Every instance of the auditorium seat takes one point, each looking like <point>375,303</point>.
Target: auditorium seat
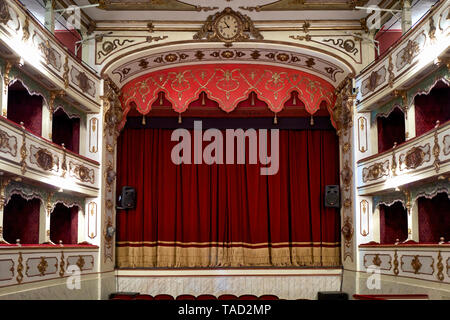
<point>185,297</point>
<point>164,297</point>
<point>144,297</point>
<point>123,296</point>
<point>206,297</point>
<point>227,297</point>
<point>268,297</point>
<point>248,297</point>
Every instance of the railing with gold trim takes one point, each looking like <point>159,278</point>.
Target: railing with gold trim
<point>429,262</point>
<point>25,36</point>
<point>422,46</point>
<point>19,265</point>
<point>24,153</point>
<point>419,158</point>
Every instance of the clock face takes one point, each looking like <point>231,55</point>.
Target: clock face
<point>227,26</point>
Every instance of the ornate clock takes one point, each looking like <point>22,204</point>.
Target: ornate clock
<point>228,26</point>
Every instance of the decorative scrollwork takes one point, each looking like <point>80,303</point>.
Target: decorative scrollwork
<point>396,269</point>
<point>19,277</point>
<point>62,265</point>
<point>348,45</point>
<point>440,267</point>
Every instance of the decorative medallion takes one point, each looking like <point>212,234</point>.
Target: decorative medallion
<point>8,144</point>
<point>347,231</point>
<point>81,172</point>
<point>51,56</point>
<point>415,157</point>
<point>375,79</point>
<point>376,171</point>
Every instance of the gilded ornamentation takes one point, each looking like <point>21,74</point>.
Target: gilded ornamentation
<point>364,218</point>
<point>396,270</point>
<point>26,29</point>
<point>346,175</point>
<point>205,9</point>
<point>64,163</point>
<point>109,46</point>
<point>407,54</point>
<point>376,260</point>
<point>391,72</point>
<point>6,78</point>
<point>44,158</point>
<point>19,277</point>
<point>376,171</point>
<point>446,142</point>
<point>42,266</point>
<point>81,172</point>
<point>375,79</point>
<point>348,45</point>
<point>82,81</point>
<point>66,72</point>
<point>306,37</point>
<point>8,144</point>
<point>155,39</point>
<point>347,231</point>
<point>80,262</point>
<point>211,31</point>
<point>436,148</point>
<point>415,157</point>
<point>432,31</point>
<point>4,12</point>
<point>23,152</point>
<point>51,103</point>
<point>440,267</point>
<point>394,161</point>
<point>110,175</point>
<point>415,264</point>
<point>113,112</point>
<point>346,147</point>
<point>343,110</point>
<point>51,56</point>
<point>62,270</point>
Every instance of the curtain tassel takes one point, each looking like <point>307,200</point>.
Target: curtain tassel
<point>144,122</point>
<point>253,98</point>
<point>294,100</point>
<point>275,119</point>
<point>203,99</point>
<point>161,99</point>
<point>179,118</point>
<point>312,121</point>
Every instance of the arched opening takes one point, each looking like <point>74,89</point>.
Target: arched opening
<point>64,224</point>
<point>391,130</point>
<point>393,223</point>
<point>432,107</point>
<point>434,218</point>
<point>25,107</point>
<point>21,220</point>
<point>66,130</point>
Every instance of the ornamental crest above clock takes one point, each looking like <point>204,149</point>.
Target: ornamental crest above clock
<point>228,26</point>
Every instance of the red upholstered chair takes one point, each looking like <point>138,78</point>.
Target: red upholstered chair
<point>268,297</point>
<point>206,297</point>
<point>122,296</point>
<point>185,297</point>
<point>248,297</point>
<point>144,297</point>
<point>227,297</point>
<point>163,297</point>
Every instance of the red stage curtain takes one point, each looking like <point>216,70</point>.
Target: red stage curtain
<point>228,215</point>
<point>434,218</point>
<point>432,107</point>
<point>390,130</point>
<point>393,223</point>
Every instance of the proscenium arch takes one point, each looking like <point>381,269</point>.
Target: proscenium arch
<point>122,58</point>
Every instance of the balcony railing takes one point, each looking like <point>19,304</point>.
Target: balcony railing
<point>23,153</point>
<point>27,38</point>
<point>19,265</point>
<point>417,50</point>
<point>422,157</point>
<point>429,262</point>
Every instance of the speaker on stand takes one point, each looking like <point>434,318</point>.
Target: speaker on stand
<point>332,196</point>
<point>127,198</point>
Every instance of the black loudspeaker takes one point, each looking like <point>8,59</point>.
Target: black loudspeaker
<point>127,199</point>
<point>332,295</point>
<point>332,196</point>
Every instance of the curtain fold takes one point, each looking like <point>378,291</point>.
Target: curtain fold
<point>228,215</point>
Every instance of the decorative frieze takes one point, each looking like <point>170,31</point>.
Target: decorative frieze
<point>375,171</point>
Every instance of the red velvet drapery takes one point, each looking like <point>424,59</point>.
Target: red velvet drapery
<point>391,130</point>
<point>21,220</point>
<point>393,223</point>
<point>434,218</point>
<point>64,224</point>
<point>228,215</point>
